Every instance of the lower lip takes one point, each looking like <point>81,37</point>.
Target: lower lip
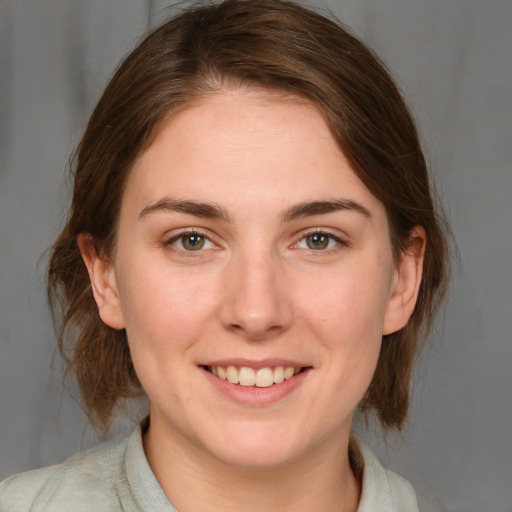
<point>251,395</point>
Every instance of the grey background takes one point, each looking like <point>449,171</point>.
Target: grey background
<point>452,59</point>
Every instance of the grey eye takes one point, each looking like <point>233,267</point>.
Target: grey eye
<point>192,241</point>
<point>317,241</point>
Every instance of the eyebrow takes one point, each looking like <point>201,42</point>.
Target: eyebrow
<point>196,208</point>
<point>213,211</point>
<point>308,209</point>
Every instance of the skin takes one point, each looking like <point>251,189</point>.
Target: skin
<point>256,290</point>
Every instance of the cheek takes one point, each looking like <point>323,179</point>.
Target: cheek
<point>348,303</point>
<point>164,316</point>
<point>347,316</point>
<point>165,311</point>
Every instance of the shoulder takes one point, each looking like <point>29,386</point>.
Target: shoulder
<point>86,481</point>
<point>382,489</point>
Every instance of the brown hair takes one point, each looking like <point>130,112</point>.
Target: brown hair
<point>276,45</point>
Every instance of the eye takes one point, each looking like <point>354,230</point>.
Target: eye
<point>191,241</point>
<point>319,241</point>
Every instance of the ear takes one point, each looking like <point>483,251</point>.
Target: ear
<point>103,282</point>
<point>406,284</point>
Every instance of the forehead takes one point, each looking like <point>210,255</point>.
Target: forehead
<point>241,118</point>
<point>241,145</point>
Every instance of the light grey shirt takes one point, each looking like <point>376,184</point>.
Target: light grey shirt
<point>116,477</point>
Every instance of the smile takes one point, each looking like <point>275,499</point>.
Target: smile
<point>249,377</point>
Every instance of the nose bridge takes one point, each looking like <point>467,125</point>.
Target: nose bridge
<point>256,301</point>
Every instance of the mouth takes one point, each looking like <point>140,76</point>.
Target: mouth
<point>263,377</point>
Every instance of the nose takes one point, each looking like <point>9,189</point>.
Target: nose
<point>256,301</point>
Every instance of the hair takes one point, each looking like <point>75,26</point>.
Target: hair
<point>274,45</point>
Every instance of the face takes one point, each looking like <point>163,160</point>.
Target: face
<point>254,276</point>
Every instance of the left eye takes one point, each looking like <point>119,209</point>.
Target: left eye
<point>318,241</point>
<point>191,242</point>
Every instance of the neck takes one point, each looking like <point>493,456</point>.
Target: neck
<point>321,480</point>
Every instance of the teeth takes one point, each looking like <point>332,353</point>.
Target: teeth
<point>247,376</point>
<point>278,374</point>
<point>232,374</point>
<point>262,378</point>
<point>288,372</point>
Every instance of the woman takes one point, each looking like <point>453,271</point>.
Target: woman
<point>252,245</point>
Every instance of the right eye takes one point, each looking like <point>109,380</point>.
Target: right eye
<point>191,241</point>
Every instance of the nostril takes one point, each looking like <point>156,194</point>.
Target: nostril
<point>257,332</point>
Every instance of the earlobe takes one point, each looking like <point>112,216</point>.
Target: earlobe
<point>103,282</point>
<point>407,283</point>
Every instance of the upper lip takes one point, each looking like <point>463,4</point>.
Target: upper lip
<point>251,363</point>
